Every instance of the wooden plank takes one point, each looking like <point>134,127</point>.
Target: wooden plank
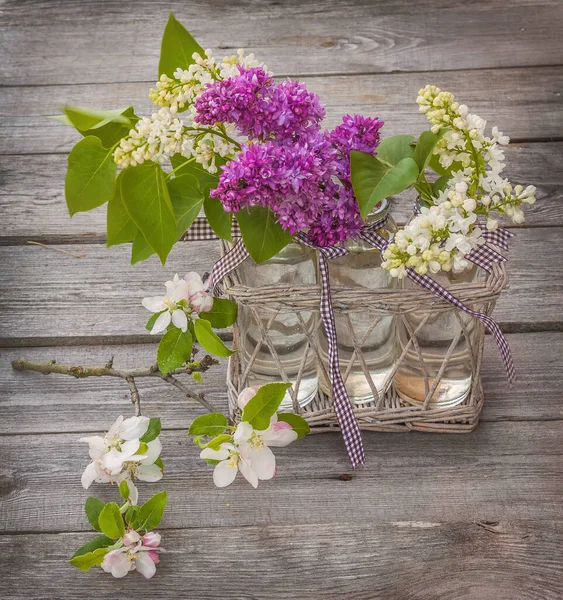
<point>524,103</point>
<point>45,293</point>
<point>98,43</point>
<point>33,206</point>
<point>32,403</point>
<point>481,561</point>
<point>501,471</point>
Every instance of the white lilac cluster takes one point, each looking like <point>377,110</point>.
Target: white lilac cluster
<point>249,451</point>
<point>184,299</point>
<point>121,456</point>
<point>166,133</point>
<point>441,236</point>
<point>133,552</point>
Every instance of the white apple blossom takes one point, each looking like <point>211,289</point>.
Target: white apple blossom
<point>137,553</point>
<point>117,456</point>
<point>184,298</point>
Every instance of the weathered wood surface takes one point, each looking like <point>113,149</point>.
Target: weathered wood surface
<point>412,476</point>
<point>29,401</point>
<point>299,38</point>
<point>533,109</point>
<point>112,289</point>
<point>369,561</point>
<point>33,205</point>
<point>430,517</point>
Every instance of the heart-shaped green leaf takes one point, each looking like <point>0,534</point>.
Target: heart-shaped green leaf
<point>393,149</point>
<point>120,226</point>
<point>373,181</point>
<point>218,218</point>
<point>177,48</point>
<point>186,199</point>
<point>261,234</point>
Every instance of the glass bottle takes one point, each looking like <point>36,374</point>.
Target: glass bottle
<point>434,340</point>
<point>294,265</point>
<point>361,267</point>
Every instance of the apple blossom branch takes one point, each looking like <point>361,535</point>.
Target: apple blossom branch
<point>129,375</point>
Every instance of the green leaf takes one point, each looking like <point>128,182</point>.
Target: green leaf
<point>140,249</point>
<point>392,150</point>
<point>146,198</point>
<point>92,559</point>
<point>111,522</point>
<point>196,376</point>
<point>90,176</point>
<point>100,541</point>
<point>264,404</point>
<point>190,167</point>
<point>261,234</point>
<point>439,185</point>
<point>107,125</point>
<point>373,181</point>
<point>174,350</point>
<point>186,199</point>
<point>424,147</point>
<point>131,515</point>
<point>153,430</point>
<point>223,314</point>
<point>209,340</point>
<point>151,512</point>
<point>93,507</point>
<point>300,426</point>
<point>152,320</point>
<point>177,48</point>
<point>219,220</point>
<point>158,462</point>
<point>120,226</point>
<point>124,489</point>
<point>211,424</point>
<point>142,449</point>
<point>215,443</point>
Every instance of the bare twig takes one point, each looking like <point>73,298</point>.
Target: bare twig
<point>57,249</point>
<point>135,398</point>
<point>128,375</point>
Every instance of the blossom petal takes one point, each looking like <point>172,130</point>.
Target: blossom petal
<point>133,491</point>
<point>279,435</point>
<point>248,472</point>
<point>130,447</point>
<point>151,539</point>
<point>243,432</point>
<point>116,563</point>
<point>181,291</point>
<point>153,452</point>
<point>145,565</point>
<point>263,462</point>
<point>222,454</point>
<point>89,475</point>
<point>148,473</point>
<point>134,428</point>
<point>224,474</point>
<point>97,445</point>
<point>154,304</point>
<point>201,302</point>
<point>161,323</point>
<point>180,320</point>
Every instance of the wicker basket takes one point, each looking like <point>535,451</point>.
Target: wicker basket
<point>389,412</point>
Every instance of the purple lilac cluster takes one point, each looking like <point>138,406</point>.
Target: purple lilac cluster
<point>259,108</point>
<point>291,166</point>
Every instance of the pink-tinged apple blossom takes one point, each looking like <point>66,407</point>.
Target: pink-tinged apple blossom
<point>246,395</point>
<point>199,299</point>
<point>121,561</point>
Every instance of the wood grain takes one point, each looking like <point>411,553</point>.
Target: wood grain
<point>500,471</point>
<point>524,103</point>
<point>104,281</point>
<point>32,403</point>
<point>107,42</point>
<point>33,207</point>
<point>370,561</point>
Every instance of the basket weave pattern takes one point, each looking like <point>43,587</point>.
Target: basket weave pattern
<point>387,412</point>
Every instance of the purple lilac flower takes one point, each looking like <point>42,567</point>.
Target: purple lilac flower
<point>259,108</point>
<point>356,133</point>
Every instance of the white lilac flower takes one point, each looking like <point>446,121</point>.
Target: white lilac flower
<point>184,298</point>
<point>137,553</point>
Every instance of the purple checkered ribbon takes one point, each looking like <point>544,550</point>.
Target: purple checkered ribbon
<point>483,256</point>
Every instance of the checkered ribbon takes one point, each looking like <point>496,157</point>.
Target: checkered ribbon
<point>483,256</point>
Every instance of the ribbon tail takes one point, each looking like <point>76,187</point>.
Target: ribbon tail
<point>344,412</point>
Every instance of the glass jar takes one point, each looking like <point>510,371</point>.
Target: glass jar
<point>294,265</point>
<point>361,267</point>
<point>434,340</point>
